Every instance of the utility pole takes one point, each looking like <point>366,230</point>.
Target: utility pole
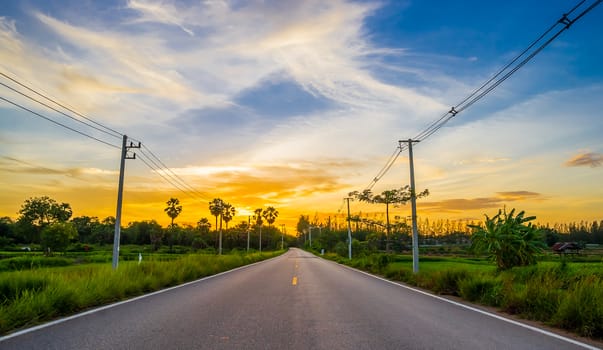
<point>347,199</point>
<point>282,236</point>
<point>248,229</point>
<point>413,206</point>
<point>310,234</point>
<point>120,190</point>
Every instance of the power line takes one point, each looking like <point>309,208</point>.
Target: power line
<point>109,131</point>
<point>491,83</point>
<point>58,111</point>
<point>159,172</point>
<point>169,175</point>
<point>173,179</point>
<point>58,123</point>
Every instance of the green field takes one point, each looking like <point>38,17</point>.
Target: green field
<point>559,292</point>
<point>42,288</point>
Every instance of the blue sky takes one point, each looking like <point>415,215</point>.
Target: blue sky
<point>296,103</point>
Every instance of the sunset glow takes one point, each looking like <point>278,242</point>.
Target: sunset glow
<point>294,104</point>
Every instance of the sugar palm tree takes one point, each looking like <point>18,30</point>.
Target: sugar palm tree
<point>203,225</point>
<point>173,209</point>
<point>228,212</point>
<point>270,214</point>
<point>216,208</point>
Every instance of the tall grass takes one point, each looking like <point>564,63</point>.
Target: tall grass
<point>33,296</point>
<point>563,294</point>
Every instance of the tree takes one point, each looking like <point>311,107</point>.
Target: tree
<point>173,209</point>
<point>85,227</point>
<point>303,223</point>
<point>56,236</point>
<point>257,218</point>
<point>7,229</point>
<point>39,212</point>
<point>203,225</point>
<point>215,208</point>
<point>270,214</point>
<point>508,240</point>
<point>394,196</point>
<point>228,212</point>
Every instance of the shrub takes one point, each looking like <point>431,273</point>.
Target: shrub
<point>508,240</point>
<point>582,310</point>
<point>447,281</point>
<point>481,288</point>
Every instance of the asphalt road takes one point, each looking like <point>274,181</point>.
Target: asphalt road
<point>295,301</point>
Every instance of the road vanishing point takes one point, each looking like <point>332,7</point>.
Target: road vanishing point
<point>294,301</point>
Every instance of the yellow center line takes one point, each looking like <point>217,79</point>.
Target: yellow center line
<point>294,282</point>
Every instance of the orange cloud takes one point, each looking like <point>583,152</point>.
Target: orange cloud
<point>590,159</point>
<point>518,195</point>
<point>461,204</point>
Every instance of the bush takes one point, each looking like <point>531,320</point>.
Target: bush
<point>481,288</point>
<point>447,281</point>
<point>32,262</point>
<point>582,309</point>
<point>341,249</point>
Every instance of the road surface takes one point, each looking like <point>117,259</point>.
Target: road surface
<point>295,301</point>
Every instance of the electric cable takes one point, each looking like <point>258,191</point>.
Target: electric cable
<point>57,123</point>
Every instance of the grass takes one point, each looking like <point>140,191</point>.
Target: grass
<point>32,296</point>
<point>562,294</point>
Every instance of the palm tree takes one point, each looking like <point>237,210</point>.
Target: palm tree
<point>173,209</point>
<point>257,217</point>
<point>228,212</point>
<point>394,196</point>
<point>270,214</point>
<point>203,225</point>
<point>215,208</point>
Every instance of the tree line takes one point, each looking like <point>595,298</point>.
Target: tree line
<point>46,223</point>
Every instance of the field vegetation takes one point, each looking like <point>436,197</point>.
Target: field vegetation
<point>34,289</point>
<point>53,265</point>
<point>503,262</point>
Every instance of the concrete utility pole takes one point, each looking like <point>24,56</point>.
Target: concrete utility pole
<point>310,234</point>
<point>283,237</point>
<point>120,190</point>
<point>347,199</point>
<point>248,229</point>
<point>413,206</point>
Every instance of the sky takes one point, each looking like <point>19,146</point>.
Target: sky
<point>294,104</point>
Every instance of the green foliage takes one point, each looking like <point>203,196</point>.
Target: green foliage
<point>447,281</point>
<point>32,262</point>
<point>481,288</point>
<point>567,295</point>
<point>582,309</point>
<point>341,249</point>
<point>30,297</point>
<point>56,237</point>
<point>508,240</point>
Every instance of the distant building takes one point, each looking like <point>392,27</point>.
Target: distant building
<point>566,248</point>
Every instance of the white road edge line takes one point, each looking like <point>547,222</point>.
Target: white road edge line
<point>101,308</point>
<point>532,328</point>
